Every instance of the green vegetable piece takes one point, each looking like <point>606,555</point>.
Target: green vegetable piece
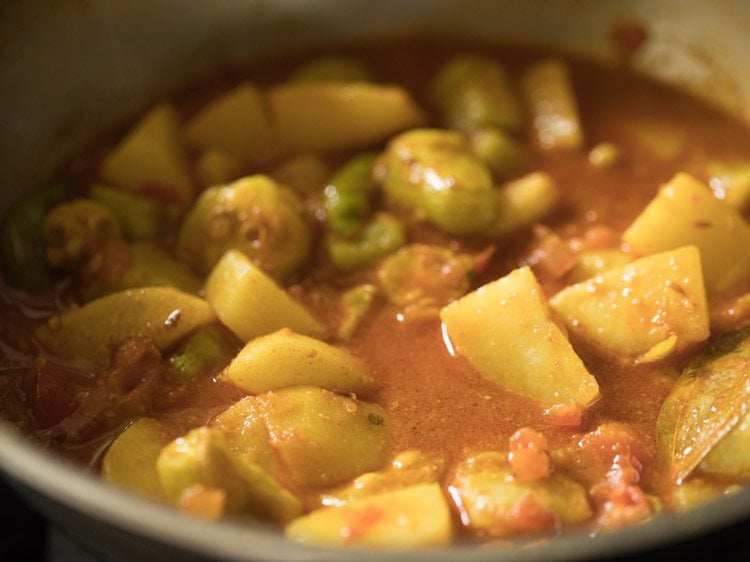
<point>204,457</point>
<point>151,266</point>
<point>426,275</point>
<point>524,201</point>
<point>251,304</point>
<point>90,333</point>
<point>435,174</point>
<point>413,517</point>
<point>22,251</point>
<point>472,91</point>
<point>130,462</point>
<point>497,149</point>
<point>553,106</point>
<point>74,229</point>
<point>332,68</point>
<point>383,235</point>
<point>208,347</point>
<point>323,438</point>
<point>708,401</point>
<point>356,302</point>
<point>284,359</point>
<point>254,215</point>
<point>141,218</point>
<point>347,195</point>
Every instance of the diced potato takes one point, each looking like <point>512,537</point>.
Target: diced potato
<point>597,262</point>
<point>216,166</point>
<point>91,332</point>
<point>237,122</point>
<point>152,158</point>
<point>492,501</point>
<point>318,116</point>
<point>686,212</point>
<point>731,183</point>
<point>553,106</point>
<point>130,461</point>
<point>417,516</point>
<point>202,457</point>
<point>627,311</point>
<point>524,201</point>
<point>245,430</point>
<point>696,492</point>
<point>285,359</point>
<point>731,455</point>
<point>323,438</point>
<point>251,304</point>
<point>505,331</point>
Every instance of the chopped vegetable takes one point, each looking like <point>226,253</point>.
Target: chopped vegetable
<point>216,166</point>
<point>141,218</point>
<point>332,68</point>
<point>593,263</point>
<point>497,149</point>
<point>251,304</point>
<point>304,173</point>
<point>357,302</point>
<point>284,359</point>
<point>383,235</point>
<point>151,159</point>
<point>731,183</point>
<point>207,348</point>
<point>506,332</point>
<point>626,312</point>
<point>686,213</point>
<point>523,202</point>
<point>552,103</point>
<point>254,215</point>
<point>318,116</point>
<point>347,195</point>
<point>151,266</point>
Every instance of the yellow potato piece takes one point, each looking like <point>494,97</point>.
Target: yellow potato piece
<point>285,359</point>
<point>626,312</point>
<point>685,212</point>
<point>322,116</point>
<point>251,304</point>
<point>237,122</point>
<point>130,462</point>
<point>152,156</point>
<point>90,333</point>
<point>417,516</point>
<point>505,331</point>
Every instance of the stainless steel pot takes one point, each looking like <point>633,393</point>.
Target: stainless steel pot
<point>71,69</point>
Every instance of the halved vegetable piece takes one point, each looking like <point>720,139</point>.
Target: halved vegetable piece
<point>323,116</point>
<point>523,202</point>
<point>506,332</point>
<point>381,236</point>
<point>150,266</point>
<point>152,159</point>
<point>323,438</point>
<point>493,502</point>
<point>347,195</point>
<point>709,403</point>
<point>203,457</point>
<point>417,516</point>
<point>141,218</point>
<point>130,461</point>
<point>499,151</point>
<point>251,304</point>
<point>285,359</point>
<point>434,173</point>
<point>254,215</point>
<point>356,303</point>
<point>552,103</point>
<point>473,91</point>
<point>686,212</point>
<point>625,312</point>
<point>237,122</point>
<point>209,347</point>
<point>90,333</point>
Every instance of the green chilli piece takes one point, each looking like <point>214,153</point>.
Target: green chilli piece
<point>208,347</point>
<point>499,151</point>
<point>379,238</point>
<point>141,218</point>
<point>347,195</point>
<point>24,264</point>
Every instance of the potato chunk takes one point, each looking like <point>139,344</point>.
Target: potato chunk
<point>251,304</point>
<point>685,212</point>
<point>285,359</point>
<point>323,438</point>
<point>505,331</point>
<point>416,516</point>
<point>91,332</point>
<point>152,158</point>
<point>130,461</point>
<point>323,116</point>
<point>731,455</point>
<point>626,312</point>
<point>237,122</point>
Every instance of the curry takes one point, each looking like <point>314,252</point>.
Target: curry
<point>410,295</point>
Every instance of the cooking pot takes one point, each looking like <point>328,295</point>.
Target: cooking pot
<point>72,69</point>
